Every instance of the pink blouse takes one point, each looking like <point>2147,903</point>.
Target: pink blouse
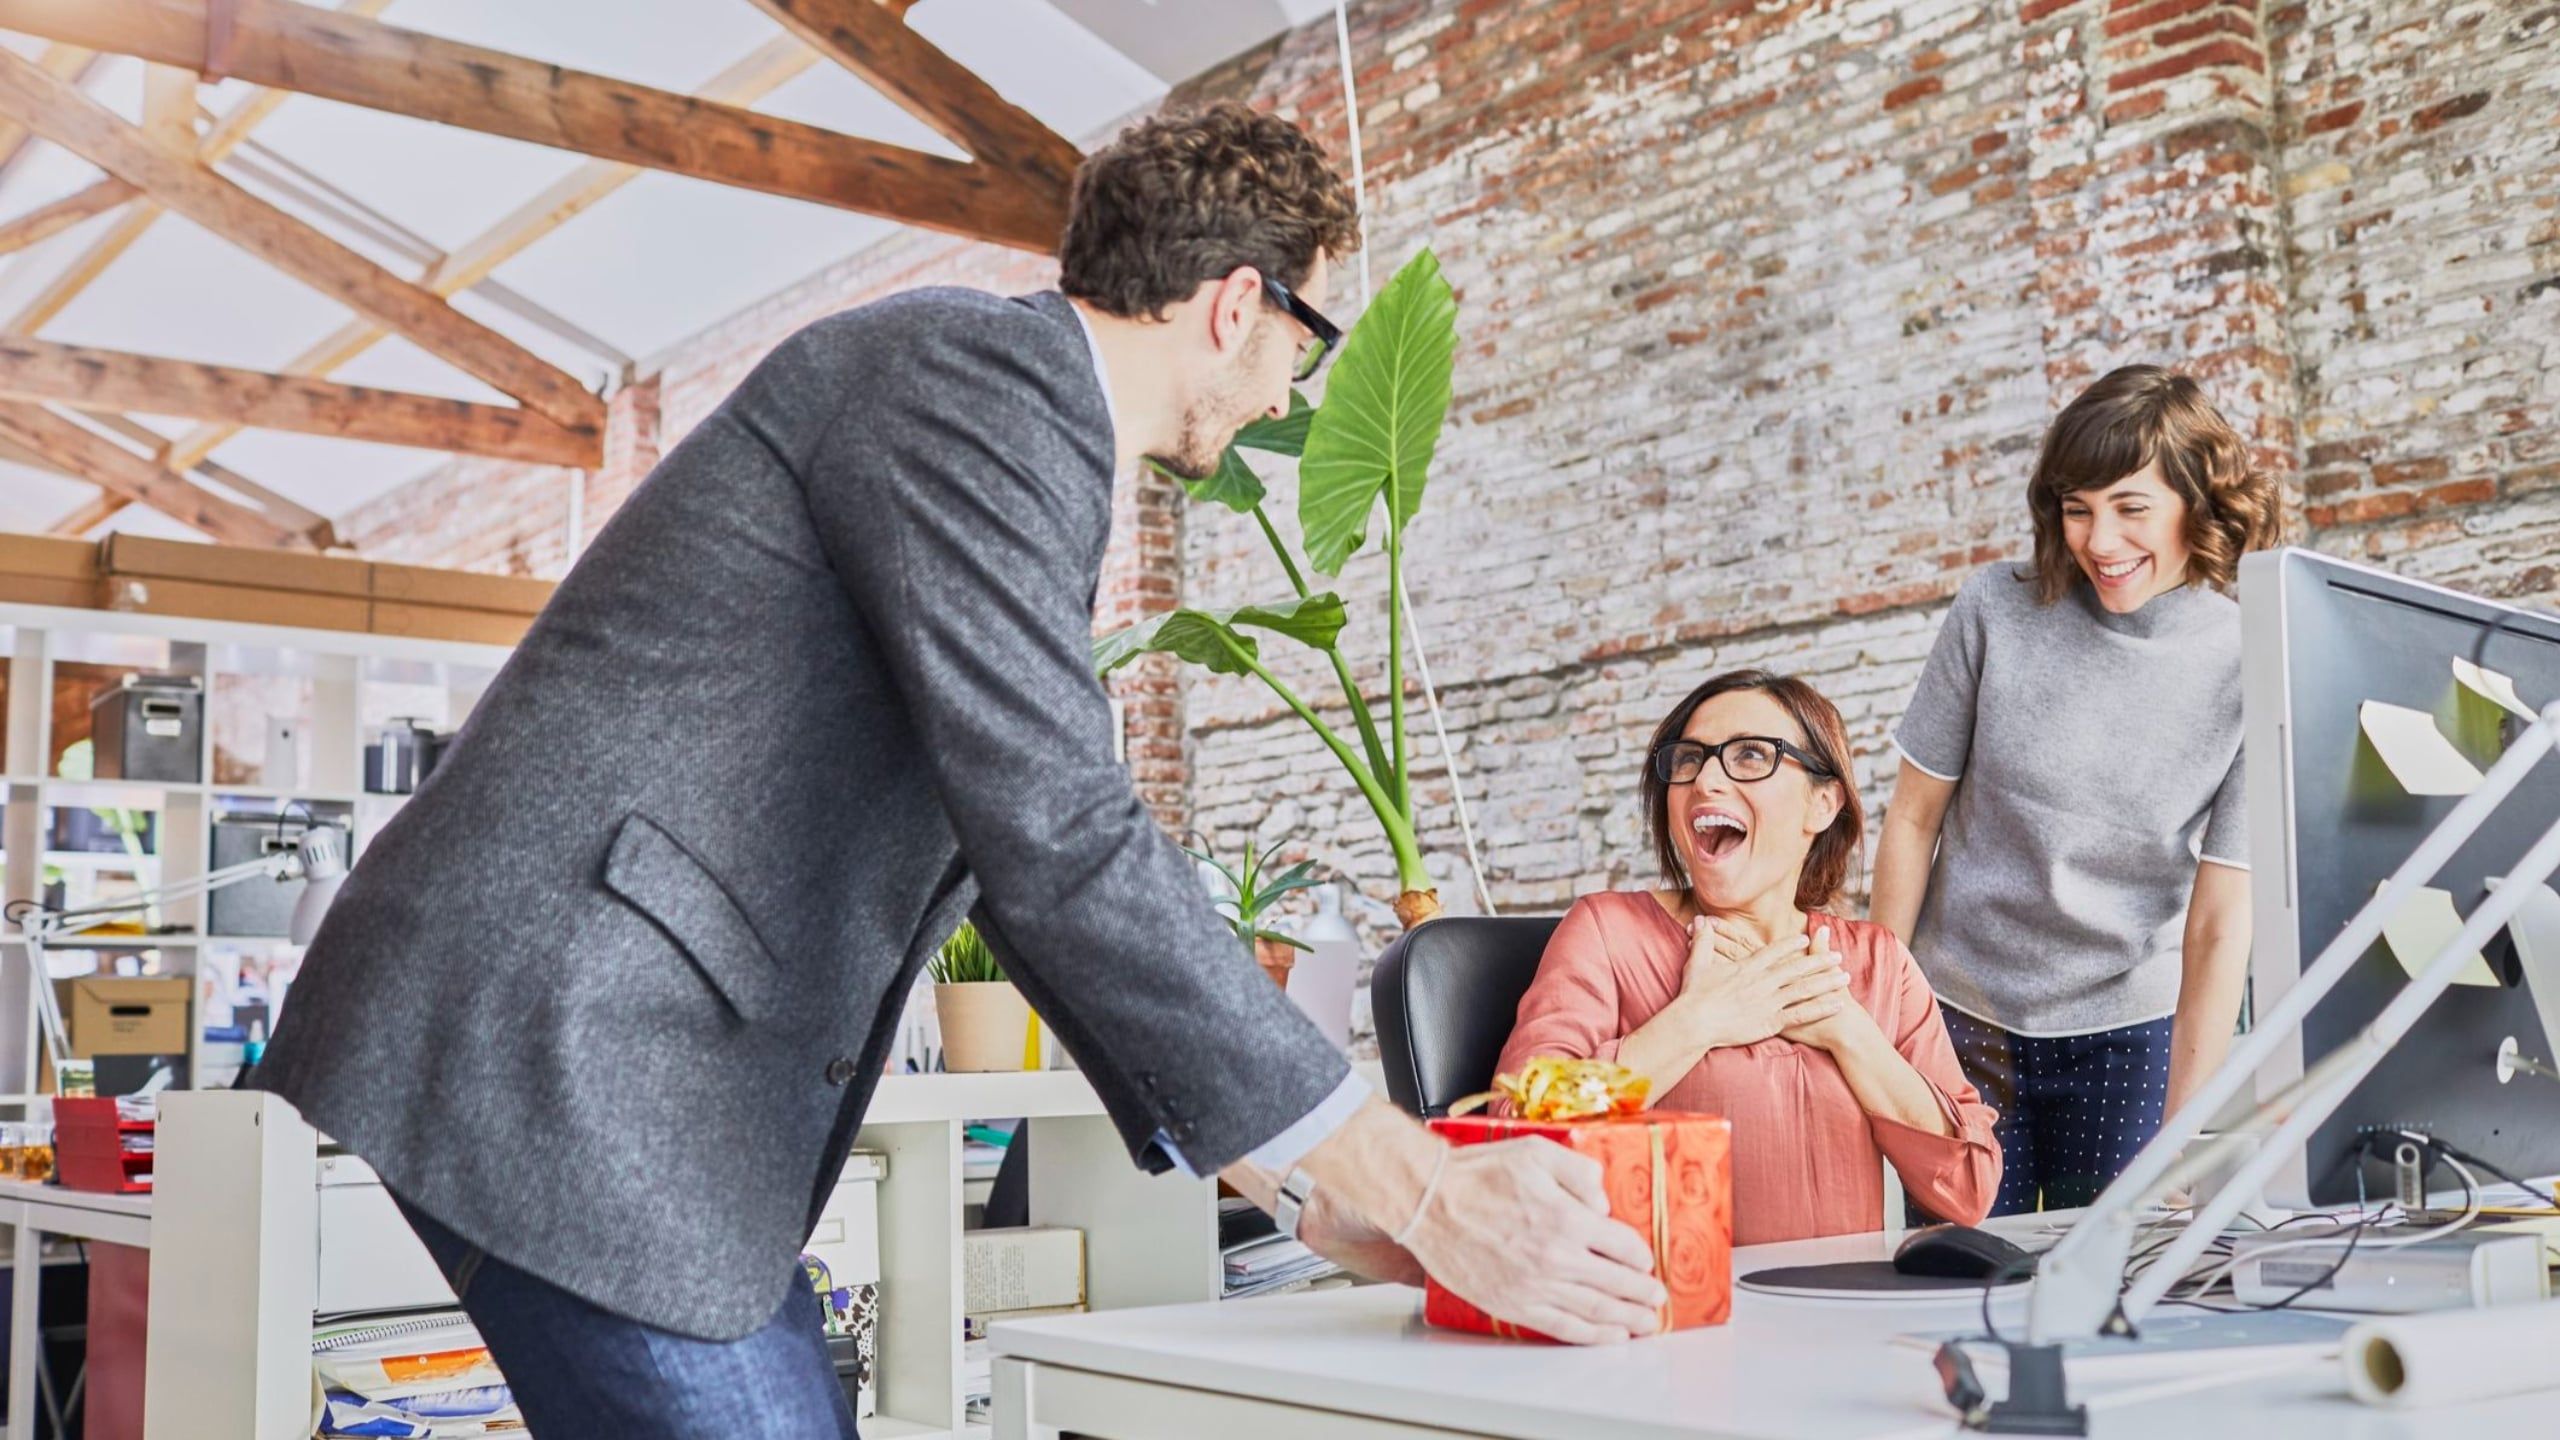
<point>1805,1155</point>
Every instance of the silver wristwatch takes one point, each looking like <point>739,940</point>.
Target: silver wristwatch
<point>1295,1192</point>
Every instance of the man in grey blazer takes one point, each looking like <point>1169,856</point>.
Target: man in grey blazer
<point>604,1004</point>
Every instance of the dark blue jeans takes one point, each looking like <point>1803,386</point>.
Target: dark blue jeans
<point>580,1371</point>
<point>2073,1108</point>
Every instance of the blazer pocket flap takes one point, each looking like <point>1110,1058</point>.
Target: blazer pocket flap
<point>648,868</point>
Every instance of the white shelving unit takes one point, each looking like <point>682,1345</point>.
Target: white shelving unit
<point>341,686</point>
<point>1149,1240</point>
<point>238,1246</point>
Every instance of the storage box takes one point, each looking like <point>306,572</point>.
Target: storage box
<point>419,585</point>
<point>253,907</point>
<point>45,570</point>
<point>234,604</point>
<point>149,727</point>
<point>233,567</point>
<point>1024,1268</point>
<point>1669,1175</point>
<point>122,1015</point>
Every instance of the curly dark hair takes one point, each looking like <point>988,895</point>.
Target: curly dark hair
<point>2131,417</point>
<point>1188,197</point>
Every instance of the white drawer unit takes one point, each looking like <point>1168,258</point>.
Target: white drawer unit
<point>369,1258</point>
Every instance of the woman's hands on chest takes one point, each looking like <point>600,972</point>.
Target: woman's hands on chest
<point>1734,993</point>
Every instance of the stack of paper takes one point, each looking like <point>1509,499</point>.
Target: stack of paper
<point>423,1376</point>
<point>1267,1266</point>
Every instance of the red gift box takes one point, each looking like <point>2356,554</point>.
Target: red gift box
<point>1669,1175</point>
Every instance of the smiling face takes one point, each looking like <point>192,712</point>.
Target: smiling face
<point>1742,840</point>
<point>2128,538</point>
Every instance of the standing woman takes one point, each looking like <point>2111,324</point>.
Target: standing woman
<point>2067,847</point>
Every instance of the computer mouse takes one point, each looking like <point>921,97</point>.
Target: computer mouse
<point>1960,1252</point>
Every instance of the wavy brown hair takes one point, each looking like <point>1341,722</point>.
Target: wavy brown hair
<point>1190,197</point>
<point>2130,418</point>
<point>1837,851</point>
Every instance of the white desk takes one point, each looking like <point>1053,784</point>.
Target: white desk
<point>33,1212</point>
<point>1359,1364</point>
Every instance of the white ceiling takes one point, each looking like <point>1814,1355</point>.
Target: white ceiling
<point>661,259</point>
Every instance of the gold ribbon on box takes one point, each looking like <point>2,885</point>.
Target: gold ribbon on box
<point>1552,1089</point>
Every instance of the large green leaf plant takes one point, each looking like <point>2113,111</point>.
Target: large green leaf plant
<point>1369,444</point>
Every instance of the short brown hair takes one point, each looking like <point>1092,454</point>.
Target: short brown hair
<point>2128,419</point>
<point>1186,198</point>
<point>1837,850</point>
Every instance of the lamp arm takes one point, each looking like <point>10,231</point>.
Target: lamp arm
<point>2340,1072</point>
<point>2077,1282</point>
<point>56,923</point>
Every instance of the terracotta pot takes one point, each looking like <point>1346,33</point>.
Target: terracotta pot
<point>1276,959</point>
<point>983,1025</point>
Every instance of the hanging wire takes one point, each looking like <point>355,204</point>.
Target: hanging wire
<point>1403,600</point>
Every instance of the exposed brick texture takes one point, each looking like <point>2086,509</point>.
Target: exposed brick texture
<point>1764,309</point>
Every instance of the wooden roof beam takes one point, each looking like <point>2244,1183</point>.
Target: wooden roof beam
<point>364,62</point>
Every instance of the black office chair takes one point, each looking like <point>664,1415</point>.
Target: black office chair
<point>1445,995</point>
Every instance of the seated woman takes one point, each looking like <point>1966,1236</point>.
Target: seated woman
<point>1736,995</point>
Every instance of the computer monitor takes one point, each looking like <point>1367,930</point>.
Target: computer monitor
<point>2330,819</point>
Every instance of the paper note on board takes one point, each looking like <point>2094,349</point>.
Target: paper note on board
<point>2426,925</point>
<point>2421,759</point>
<point>2491,686</point>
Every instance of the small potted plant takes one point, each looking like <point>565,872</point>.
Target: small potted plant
<point>985,1022</point>
<point>1252,896</point>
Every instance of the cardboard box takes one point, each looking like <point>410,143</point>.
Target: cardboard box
<point>124,1015</point>
<point>46,570</point>
<point>248,605</point>
<point>1030,1267</point>
<point>436,622</point>
<point>234,566</point>
<point>460,589</point>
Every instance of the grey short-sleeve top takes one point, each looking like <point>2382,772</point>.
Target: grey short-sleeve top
<point>2096,757</point>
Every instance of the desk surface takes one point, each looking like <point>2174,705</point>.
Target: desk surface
<point>64,1198</point>
<point>1784,1368</point>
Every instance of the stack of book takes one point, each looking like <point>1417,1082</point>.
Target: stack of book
<point>1259,1259</point>
<point>420,1375</point>
<point>1012,1274</point>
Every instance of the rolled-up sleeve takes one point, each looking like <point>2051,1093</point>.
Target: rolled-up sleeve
<point>1956,1176</point>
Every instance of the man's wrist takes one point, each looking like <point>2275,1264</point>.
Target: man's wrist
<point>1376,1165</point>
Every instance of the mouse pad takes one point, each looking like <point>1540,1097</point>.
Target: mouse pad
<point>1861,1279</point>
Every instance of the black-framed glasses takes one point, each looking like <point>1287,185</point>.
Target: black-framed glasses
<point>1323,335</point>
<point>1744,757</point>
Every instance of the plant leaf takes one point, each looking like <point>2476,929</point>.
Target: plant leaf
<point>1381,416</point>
<point>1211,638</point>
<point>1285,436</point>
<point>1234,486</point>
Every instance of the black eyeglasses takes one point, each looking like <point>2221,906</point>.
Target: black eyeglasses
<point>1744,757</point>
<point>1323,334</point>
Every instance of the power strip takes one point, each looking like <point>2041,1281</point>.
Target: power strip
<point>2458,1272</point>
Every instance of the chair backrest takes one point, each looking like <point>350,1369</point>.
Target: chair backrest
<point>1445,995</point>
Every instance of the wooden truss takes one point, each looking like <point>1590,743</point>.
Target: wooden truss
<point>66,407</point>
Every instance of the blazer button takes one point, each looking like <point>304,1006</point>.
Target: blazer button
<point>840,1071</point>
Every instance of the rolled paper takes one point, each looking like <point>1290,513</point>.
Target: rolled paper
<point>1550,1088</point>
<point>2451,1357</point>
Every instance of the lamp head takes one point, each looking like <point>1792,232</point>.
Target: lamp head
<point>321,856</point>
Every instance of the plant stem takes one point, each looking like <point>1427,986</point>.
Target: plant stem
<point>1400,838</point>
<point>1351,696</point>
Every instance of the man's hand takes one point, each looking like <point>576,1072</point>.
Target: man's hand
<point>1329,1228</point>
<point>1520,1229</point>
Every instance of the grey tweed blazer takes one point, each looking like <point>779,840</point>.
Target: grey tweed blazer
<point>609,995</point>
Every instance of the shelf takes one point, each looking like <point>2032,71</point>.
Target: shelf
<point>890,1427</point>
<point>117,942</point>
<point>996,1096</point>
<point>307,797</point>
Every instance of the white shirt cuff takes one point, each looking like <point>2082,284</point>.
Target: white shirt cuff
<point>1281,1153</point>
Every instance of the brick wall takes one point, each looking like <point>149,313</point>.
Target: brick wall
<point>1764,307</point>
